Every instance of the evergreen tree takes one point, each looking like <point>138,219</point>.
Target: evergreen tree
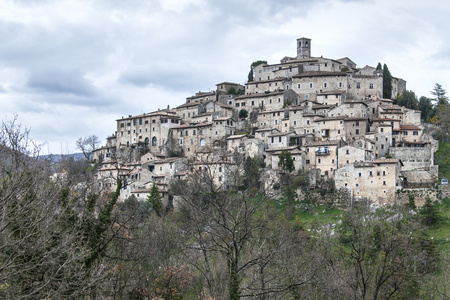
<point>285,161</point>
<point>411,202</point>
<point>252,69</point>
<point>155,200</point>
<point>408,99</point>
<point>387,83</point>
<point>426,107</point>
<point>379,67</point>
<point>440,95</point>
<point>429,213</point>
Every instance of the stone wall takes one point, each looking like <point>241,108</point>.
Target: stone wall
<point>413,158</point>
<point>420,196</point>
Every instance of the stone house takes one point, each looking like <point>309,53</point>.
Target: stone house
<point>330,128</point>
<point>375,180</point>
<point>148,131</point>
<point>323,155</point>
<point>297,154</point>
<point>349,154</point>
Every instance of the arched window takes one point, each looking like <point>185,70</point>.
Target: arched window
<point>202,142</point>
<point>154,141</point>
<point>146,142</point>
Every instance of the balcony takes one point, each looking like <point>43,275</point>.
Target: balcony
<point>322,151</point>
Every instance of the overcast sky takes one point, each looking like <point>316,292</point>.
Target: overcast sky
<point>71,68</point>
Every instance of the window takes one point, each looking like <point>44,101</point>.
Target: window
<point>319,161</point>
<point>307,122</point>
<point>202,142</point>
<point>325,85</point>
<point>310,85</point>
<point>279,139</point>
<point>370,173</point>
<point>357,131</point>
<point>295,123</point>
<point>371,86</point>
<point>382,129</point>
<point>340,84</point>
<point>384,173</point>
<point>307,161</point>
<point>299,86</point>
<point>415,133</point>
<point>347,151</point>
<point>154,141</point>
<point>384,182</point>
<point>359,174</point>
<point>358,85</point>
<point>306,97</point>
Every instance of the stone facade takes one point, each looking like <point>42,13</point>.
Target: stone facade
<point>327,113</point>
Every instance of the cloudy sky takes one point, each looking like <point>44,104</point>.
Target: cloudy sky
<point>70,68</point>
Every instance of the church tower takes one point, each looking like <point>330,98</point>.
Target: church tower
<point>303,48</point>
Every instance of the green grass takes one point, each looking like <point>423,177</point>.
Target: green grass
<point>310,214</point>
<point>441,232</point>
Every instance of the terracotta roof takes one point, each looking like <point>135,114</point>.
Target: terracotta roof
<point>388,161</point>
<point>409,127</point>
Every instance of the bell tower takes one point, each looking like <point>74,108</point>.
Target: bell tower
<point>303,48</point>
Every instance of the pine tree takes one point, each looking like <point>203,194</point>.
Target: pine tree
<point>387,83</point>
<point>379,67</point>
<point>429,213</point>
<point>285,161</point>
<point>155,200</point>
<point>440,95</point>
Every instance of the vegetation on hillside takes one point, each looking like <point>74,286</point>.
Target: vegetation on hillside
<point>63,240</point>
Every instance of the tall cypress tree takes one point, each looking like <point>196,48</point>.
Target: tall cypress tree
<point>387,83</point>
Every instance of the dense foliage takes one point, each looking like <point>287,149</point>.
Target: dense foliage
<point>61,238</point>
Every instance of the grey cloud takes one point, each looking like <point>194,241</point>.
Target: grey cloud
<point>62,82</point>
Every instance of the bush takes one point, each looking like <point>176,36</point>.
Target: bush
<point>243,114</point>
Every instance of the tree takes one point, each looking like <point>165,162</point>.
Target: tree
<point>378,255</point>
<point>408,99</point>
<point>87,145</point>
<point>231,91</point>
<point>285,161</point>
<point>243,114</point>
<point>411,202</point>
<point>427,109</point>
<point>440,95</point>
<point>251,73</point>
<point>429,213</point>
<point>154,199</point>
<point>237,242</point>
<point>42,243</point>
<point>387,83</point>
<point>379,68</point>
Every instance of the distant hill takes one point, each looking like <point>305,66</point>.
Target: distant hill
<point>56,158</point>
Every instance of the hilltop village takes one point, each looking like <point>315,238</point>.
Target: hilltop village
<point>327,113</point>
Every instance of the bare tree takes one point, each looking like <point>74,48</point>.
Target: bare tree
<point>87,145</point>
